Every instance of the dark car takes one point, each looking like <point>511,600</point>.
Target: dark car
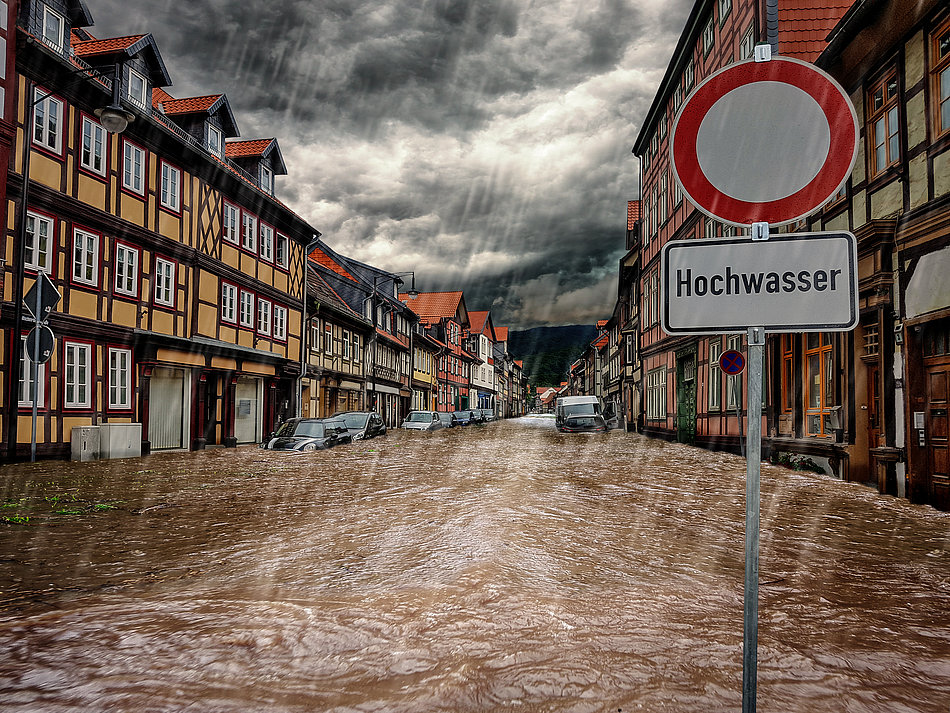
<point>464,417</point>
<point>583,424</point>
<point>423,421</point>
<point>448,419</point>
<point>307,434</point>
<point>488,414</point>
<point>362,424</point>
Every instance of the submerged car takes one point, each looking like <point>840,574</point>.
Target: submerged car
<point>488,414</point>
<point>448,419</point>
<point>307,434</point>
<point>465,417</point>
<point>362,424</point>
<point>423,421</point>
<point>583,424</point>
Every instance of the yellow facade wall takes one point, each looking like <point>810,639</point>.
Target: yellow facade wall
<point>173,356</point>
<point>92,191</point>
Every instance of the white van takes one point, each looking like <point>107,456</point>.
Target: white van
<point>571,406</point>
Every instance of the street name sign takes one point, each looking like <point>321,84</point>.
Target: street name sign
<point>797,282</point>
<point>764,142</point>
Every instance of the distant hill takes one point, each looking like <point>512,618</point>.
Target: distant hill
<point>548,352</point>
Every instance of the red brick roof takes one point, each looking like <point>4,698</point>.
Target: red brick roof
<point>87,48</point>
<point>501,333</point>
<point>190,105</point>
<point>321,258</point>
<point>160,96</point>
<point>476,321</point>
<point>633,214</point>
<point>254,147</point>
<point>804,25</point>
<point>434,304</point>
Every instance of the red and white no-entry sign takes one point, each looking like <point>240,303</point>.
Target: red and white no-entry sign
<point>764,142</point>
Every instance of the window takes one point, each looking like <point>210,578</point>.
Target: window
<point>725,6</point>
<point>77,376</point>
<point>164,282</point>
<point>654,299</point>
<point>171,179</point>
<point>281,251</point>
<point>677,191</point>
<point>85,257</point>
<point>228,303</point>
<point>53,24</point>
<point>215,141</point>
<point>940,61</point>
<point>48,122</point>
<point>357,354</point>
<point>247,309</point>
<point>747,44</point>
<point>93,150</point>
<point>788,372</point>
<point>126,270</point>
<point>656,394</point>
<point>229,224</point>
<point>267,243</point>
<point>819,384</point>
<point>137,89</point>
<point>346,346</point>
<point>250,232</point>
<point>882,124</point>
<point>25,391</point>
<point>39,242</point>
<point>688,76</point>
<point>280,322</point>
<point>263,317</point>
<point>120,378</point>
<point>734,382</point>
<point>133,168</point>
<point>663,200</point>
<point>327,339</point>
<point>715,375</point>
<point>267,179</point>
<point>709,35</point>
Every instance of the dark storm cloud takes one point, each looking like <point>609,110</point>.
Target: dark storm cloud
<point>484,145</point>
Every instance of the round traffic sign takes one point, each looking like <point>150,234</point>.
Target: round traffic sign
<point>764,142</point>
<point>732,362</point>
<point>44,335</point>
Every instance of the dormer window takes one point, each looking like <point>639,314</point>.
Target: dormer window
<point>53,24</point>
<point>137,88</point>
<point>215,140</point>
<point>267,179</point>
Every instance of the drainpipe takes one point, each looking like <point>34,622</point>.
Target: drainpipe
<point>304,326</point>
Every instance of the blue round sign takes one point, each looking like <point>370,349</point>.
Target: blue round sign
<point>732,362</point>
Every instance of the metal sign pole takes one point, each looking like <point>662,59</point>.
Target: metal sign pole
<point>35,359</point>
<point>750,633</point>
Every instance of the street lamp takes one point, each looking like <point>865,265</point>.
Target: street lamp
<point>114,119</point>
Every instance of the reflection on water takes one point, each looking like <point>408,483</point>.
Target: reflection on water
<point>496,567</point>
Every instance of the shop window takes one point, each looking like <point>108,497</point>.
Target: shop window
<point>788,373</point>
<point>819,383</point>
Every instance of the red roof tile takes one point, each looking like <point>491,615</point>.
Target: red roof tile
<point>321,258</point>
<point>633,214</point>
<point>434,304</point>
<point>159,96</point>
<point>804,25</point>
<point>501,334</point>
<point>254,147</point>
<point>87,48</point>
<point>190,105</point>
<point>476,321</point>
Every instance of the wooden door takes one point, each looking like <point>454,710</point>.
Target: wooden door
<point>937,434</point>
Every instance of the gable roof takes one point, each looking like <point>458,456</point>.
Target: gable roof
<point>98,52</point>
<point>501,334</point>
<point>209,104</point>
<point>257,148</point>
<point>478,321</point>
<point>438,305</point>
<point>323,257</point>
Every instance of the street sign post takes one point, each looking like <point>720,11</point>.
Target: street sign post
<point>40,300</point>
<point>39,344</point>
<point>732,362</point>
<point>42,297</point>
<point>760,142</point>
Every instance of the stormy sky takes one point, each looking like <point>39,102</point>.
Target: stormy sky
<point>484,145</point>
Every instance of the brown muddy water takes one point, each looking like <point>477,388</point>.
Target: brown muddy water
<point>501,567</point>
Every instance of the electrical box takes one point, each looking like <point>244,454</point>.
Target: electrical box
<point>85,442</point>
<point>121,440</point>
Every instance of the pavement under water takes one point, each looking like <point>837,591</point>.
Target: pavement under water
<point>495,567</point>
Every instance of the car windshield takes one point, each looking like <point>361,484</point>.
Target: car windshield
<point>354,420</point>
<point>581,409</point>
<point>419,416</point>
<point>583,421</point>
<point>462,414</point>
<point>307,429</point>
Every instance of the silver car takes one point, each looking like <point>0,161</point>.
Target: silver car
<point>423,421</point>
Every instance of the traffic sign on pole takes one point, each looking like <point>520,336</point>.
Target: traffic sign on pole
<point>42,297</point>
<point>764,142</point>
<point>39,344</point>
<point>732,362</point>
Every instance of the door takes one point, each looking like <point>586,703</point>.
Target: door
<point>166,409</point>
<point>937,434</point>
<point>247,410</point>
<point>686,398</point>
<point>874,407</point>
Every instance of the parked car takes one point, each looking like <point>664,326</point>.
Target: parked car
<point>307,434</point>
<point>583,424</point>
<point>362,424</point>
<point>423,421</point>
<point>448,419</point>
<point>488,414</point>
<point>478,416</point>
<point>465,417</point>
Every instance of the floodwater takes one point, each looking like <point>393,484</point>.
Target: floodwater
<point>496,567</point>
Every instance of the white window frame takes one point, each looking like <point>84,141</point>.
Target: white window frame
<point>229,298</point>
<point>54,42</point>
<point>733,399</point>
<point>85,257</point>
<point>747,44</point>
<point>267,242</point>
<point>36,257</point>
<point>25,385</point>
<point>249,232</point>
<point>133,167</point>
<point>92,152</point>
<point>715,375</point>
<point>171,187</point>
<point>48,119</point>
<point>136,87</point>
<point>231,223</point>
<point>121,386</point>
<point>165,282</point>
<point>247,309</point>
<point>709,35</point>
<point>263,317</point>
<point>126,269</point>
<point>215,140</point>
<point>267,179</point>
<point>725,7</point>
<point>280,322</point>
<point>282,251</point>
<point>77,375</point>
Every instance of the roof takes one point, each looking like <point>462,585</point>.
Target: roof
<point>257,148</point>
<point>87,48</point>
<point>320,290</point>
<point>601,323</point>
<point>501,334</point>
<point>435,305</point>
<point>804,26</point>
<point>191,105</point>
<point>98,52</point>
<point>320,257</point>
<point>633,214</point>
<point>159,96</point>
